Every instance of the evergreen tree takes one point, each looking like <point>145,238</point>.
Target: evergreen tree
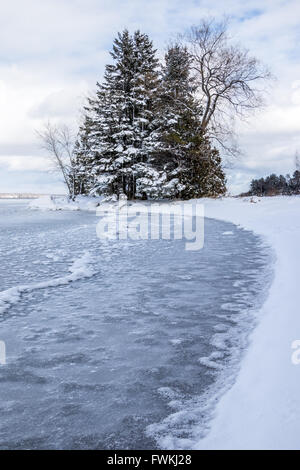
<point>83,164</point>
<point>143,98</point>
<point>142,135</point>
<point>276,185</point>
<point>121,117</point>
<point>295,183</point>
<point>202,174</point>
<point>175,104</point>
<point>189,166</point>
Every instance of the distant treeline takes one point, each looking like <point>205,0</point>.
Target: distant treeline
<point>21,196</point>
<point>275,185</point>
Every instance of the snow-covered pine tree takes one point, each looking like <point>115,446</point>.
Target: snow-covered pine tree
<point>202,174</point>
<point>108,129</point>
<point>120,119</point>
<point>134,149</point>
<point>143,95</point>
<point>83,163</point>
<point>142,135</point>
<point>174,100</point>
<point>188,166</point>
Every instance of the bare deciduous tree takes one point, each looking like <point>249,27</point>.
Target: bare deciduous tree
<point>230,81</point>
<point>59,143</point>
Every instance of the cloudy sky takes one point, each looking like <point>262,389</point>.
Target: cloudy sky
<point>52,52</point>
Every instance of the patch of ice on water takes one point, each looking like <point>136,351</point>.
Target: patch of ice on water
<point>176,341</point>
<point>238,283</point>
<point>184,277</point>
<point>234,307</point>
<point>168,392</point>
<point>80,269</point>
<point>207,362</point>
<point>190,420</point>
<point>219,340</point>
<point>52,256</point>
<point>220,327</point>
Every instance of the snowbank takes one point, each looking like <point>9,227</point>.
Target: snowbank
<point>57,203</point>
<point>43,203</point>
<point>262,409</point>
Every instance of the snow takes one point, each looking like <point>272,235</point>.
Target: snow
<point>261,410</point>
<point>43,203</point>
<point>80,269</point>
<point>52,203</point>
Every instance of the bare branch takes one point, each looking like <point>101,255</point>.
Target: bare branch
<point>58,141</point>
<point>230,81</point>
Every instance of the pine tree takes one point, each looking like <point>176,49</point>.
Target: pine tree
<point>83,164</point>
<point>142,135</point>
<point>143,97</point>
<point>295,182</point>
<point>189,166</point>
<point>105,128</point>
<point>121,117</point>
<point>202,175</point>
<point>176,106</point>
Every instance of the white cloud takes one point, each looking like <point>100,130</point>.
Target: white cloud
<point>53,52</point>
<point>24,162</point>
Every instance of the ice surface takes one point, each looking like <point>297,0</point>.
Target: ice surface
<point>118,344</point>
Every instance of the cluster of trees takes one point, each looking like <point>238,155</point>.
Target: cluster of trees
<point>152,127</point>
<point>142,134</point>
<point>276,185</point>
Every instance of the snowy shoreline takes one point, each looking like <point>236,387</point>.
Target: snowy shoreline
<point>260,411</point>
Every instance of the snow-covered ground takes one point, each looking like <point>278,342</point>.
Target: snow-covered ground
<point>55,203</point>
<point>262,409</point>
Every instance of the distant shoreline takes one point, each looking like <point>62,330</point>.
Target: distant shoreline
<point>24,195</point>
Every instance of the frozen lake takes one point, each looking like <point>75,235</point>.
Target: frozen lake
<point>132,357</point>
